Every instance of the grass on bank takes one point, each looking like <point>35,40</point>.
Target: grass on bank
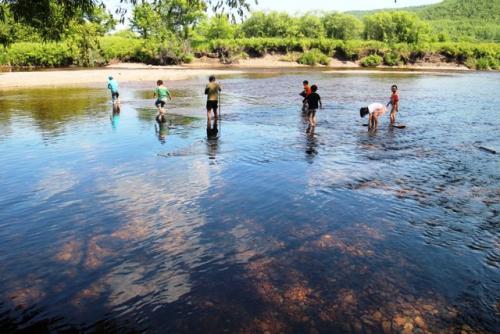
<point>481,56</point>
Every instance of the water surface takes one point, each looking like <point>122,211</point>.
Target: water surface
<point>110,223</point>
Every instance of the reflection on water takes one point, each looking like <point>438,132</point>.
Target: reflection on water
<point>256,223</point>
<point>213,127</point>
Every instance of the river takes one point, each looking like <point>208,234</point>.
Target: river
<point>109,223</point>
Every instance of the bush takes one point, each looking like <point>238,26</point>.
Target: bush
<point>392,58</point>
<point>40,54</point>
<point>482,64</point>
<point>121,48</point>
<point>371,61</point>
<point>314,57</point>
<point>395,27</point>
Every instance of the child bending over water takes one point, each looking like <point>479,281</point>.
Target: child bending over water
<point>374,110</point>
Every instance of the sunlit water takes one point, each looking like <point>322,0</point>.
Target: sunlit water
<point>110,224</point>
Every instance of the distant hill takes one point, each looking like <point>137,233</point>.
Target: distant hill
<point>457,19</point>
<point>449,9</point>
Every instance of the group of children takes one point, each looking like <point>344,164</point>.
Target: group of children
<point>311,102</point>
<point>375,110</point>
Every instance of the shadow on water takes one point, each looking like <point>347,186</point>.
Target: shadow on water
<point>280,230</point>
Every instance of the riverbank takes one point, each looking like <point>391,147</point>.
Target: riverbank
<point>127,73</point>
<point>138,72</point>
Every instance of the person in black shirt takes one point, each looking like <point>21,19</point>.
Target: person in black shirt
<point>313,101</point>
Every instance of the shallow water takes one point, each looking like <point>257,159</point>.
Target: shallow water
<point>111,224</point>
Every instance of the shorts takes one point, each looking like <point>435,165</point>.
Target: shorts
<point>311,112</point>
<point>212,105</point>
<point>115,95</point>
<point>160,103</point>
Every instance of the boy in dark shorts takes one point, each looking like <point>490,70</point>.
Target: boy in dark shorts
<point>161,94</point>
<point>314,102</point>
<point>212,90</point>
<point>305,93</point>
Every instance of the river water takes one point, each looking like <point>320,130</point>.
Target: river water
<point>111,224</point>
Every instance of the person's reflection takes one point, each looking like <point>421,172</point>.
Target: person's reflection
<point>161,129</point>
<point>115,116</point>
<point>212,138</point>
<point>311,143</point>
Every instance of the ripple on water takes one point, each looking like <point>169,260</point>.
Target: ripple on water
<point>112,224</point>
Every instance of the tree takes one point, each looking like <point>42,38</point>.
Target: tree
<point>273,24</point>
<point>395,27</point>
<point>341,26</point>
<point>310,26</point>
<point>181,15</point>
<point>12,31</point>
<point>217,27</point>
<point>50,17</point>
<point>146,21</point>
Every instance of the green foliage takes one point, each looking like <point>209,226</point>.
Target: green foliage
<point>355,50</point>
<point>314,57</point>
<point>395,27</point>
<point>310,26</point>
<point>40,54</point>
<point>147,22</point>
<point>341,26</point>
<point>180,16</point>
<point>50,17</point>
<point>462,9</point>
<point>371,61</point>
<point>392,58</point>
<point>217,27</point>
<point>120,48</point>
<point>273,24</point>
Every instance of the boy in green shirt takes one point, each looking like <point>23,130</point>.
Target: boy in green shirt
<point>161,94</point>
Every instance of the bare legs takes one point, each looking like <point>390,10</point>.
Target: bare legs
<point>393,116</point>
<point>209,114</point>
<point>372,122</point>
<point>161,113</point>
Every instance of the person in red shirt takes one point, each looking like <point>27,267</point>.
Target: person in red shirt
<point>394,102</point>
<point>305,94</point>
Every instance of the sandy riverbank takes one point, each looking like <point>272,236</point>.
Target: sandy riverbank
<point>133,72</point>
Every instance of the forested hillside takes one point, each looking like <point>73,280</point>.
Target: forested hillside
<point>178,31</point>
<point>457,20</point>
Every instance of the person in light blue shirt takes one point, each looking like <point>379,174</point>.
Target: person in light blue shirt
<point>113,87</point>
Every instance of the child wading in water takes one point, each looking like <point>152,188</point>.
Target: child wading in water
<point>374,110</point>
<point>161,94</point>
<point>394,102</point>
<point>212,91</point>
<point>115,95</point>
<point>313,101</point>
<point>305,93</point>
